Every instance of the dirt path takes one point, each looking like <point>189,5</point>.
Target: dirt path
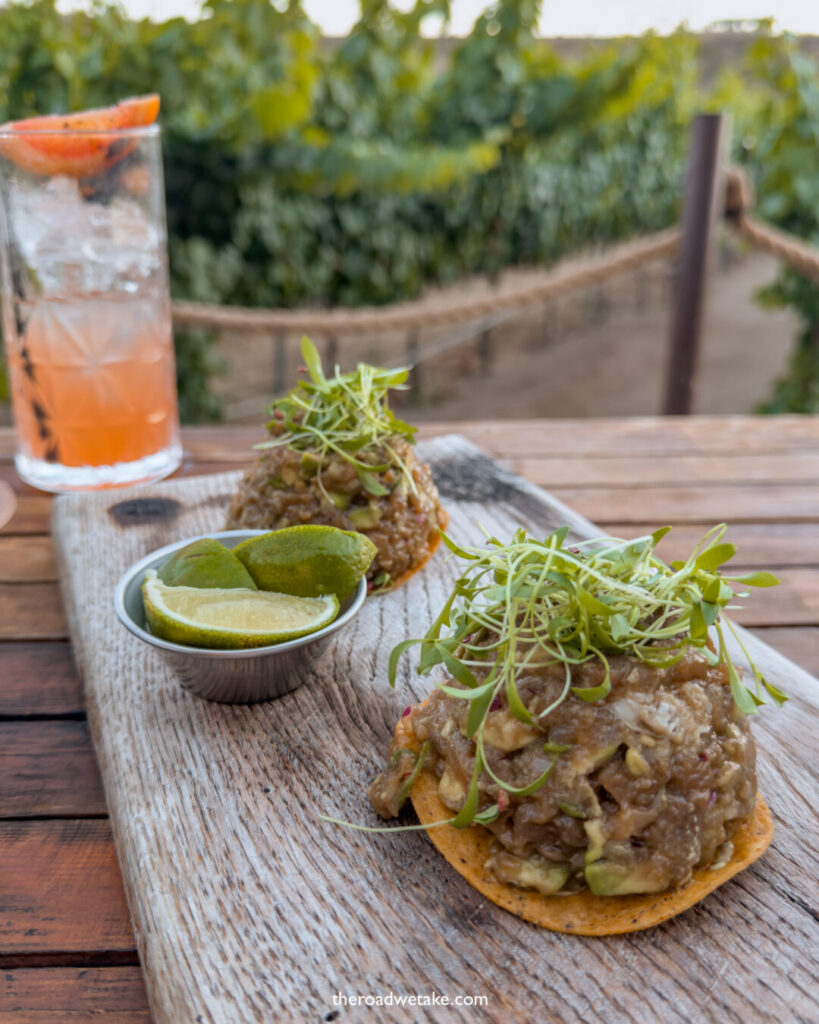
<point>616,367</point>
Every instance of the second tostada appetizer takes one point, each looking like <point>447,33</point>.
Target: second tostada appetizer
<point>338,455</point>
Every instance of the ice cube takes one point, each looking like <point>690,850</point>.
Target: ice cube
<point>76,245</point>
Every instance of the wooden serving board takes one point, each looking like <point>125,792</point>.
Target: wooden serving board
<point>247,908</point>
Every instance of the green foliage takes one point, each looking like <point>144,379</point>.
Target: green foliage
<point>306,173</point>
<point>783,155</point>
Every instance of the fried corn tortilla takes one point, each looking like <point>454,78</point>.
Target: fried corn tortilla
<point>580,913</point>
<point>434,544</point>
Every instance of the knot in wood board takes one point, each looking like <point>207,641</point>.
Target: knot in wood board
<point>138,511</point>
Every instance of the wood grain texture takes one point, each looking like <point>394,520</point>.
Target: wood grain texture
<point>248,908</point>
<point>694,504</point>
<point>645,471</point>
<point>27,560</point>
<point>8,502</point>
<point>767,545</point>
<point>31,611</point>
<point>65,864</point>
<point>39,679</point>
<point>48,769</point>
<point>650,435</point>
<point>70,995</point>
<point>644,435</point>
<point>801,645</point>
<point>31,514</point>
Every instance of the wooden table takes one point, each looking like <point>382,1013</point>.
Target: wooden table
<point>66,945</point>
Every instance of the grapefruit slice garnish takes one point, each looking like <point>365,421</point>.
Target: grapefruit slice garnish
<point>48,145</point>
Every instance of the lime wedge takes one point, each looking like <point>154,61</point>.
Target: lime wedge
<point>231,618</point>
<point>307,560</point>
<point>205,563</point>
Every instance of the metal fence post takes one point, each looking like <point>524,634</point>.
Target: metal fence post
<point>279,364</point>
<point>703,197</point>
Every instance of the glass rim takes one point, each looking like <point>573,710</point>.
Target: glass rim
<point>142,131</point>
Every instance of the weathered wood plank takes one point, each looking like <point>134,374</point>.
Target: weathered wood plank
<point>236,879</point>
<point>643,473</point>
<point>708,505</point>
<point>766,545</point>
<point>39,678</point>
<point>670,435</point>
<point>48,769</point>
<point>800,644</point>
<point>31,515</point>
<point>27,560</point>
<point>506,438</point>
<point>59,995</point>
<point>8,502</point>
<point>649,471</point>
<point>795,602</point>
<point>60,891</point>
<point>721,435</point>
<point>31,611</point>
<point>649,435</point>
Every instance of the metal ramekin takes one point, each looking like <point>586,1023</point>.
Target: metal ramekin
<point>230,677</point>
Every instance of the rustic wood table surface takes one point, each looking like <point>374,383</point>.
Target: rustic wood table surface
<point>66,944</point>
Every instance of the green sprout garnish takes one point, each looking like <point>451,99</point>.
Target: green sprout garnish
<point>531,603</point>
<point>347,414</point>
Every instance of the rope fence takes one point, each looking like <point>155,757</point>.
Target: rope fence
<point>739,198</point>
<point>570,275</point>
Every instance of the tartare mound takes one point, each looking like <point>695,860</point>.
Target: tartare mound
<point>283,488</point>
<point>648,785</point>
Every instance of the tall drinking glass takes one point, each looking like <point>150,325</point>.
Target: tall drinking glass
<point>86,307</point>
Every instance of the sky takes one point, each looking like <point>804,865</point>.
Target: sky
<point>567,18</point>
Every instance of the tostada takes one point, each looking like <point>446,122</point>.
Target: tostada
<point>587,763</point>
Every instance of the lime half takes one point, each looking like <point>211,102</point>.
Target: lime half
<point>231,619</point>
<point>205,563</point>
<point>307,560</point>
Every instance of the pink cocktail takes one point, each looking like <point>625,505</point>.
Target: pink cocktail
<point>87,316</point>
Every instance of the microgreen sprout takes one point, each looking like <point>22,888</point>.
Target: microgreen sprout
<point>346,414</point>
<point>532,603</point>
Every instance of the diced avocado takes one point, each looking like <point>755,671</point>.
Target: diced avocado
<point>310,464</point>
<point>546,879</point>
<point>364,518</point>
<point>339,499</point>
<point>605,878</point>
<point>276,482</point>
<point>557,748</point>
<point>597,841</point>
<point>590,760</point>
<point>573,810</point>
